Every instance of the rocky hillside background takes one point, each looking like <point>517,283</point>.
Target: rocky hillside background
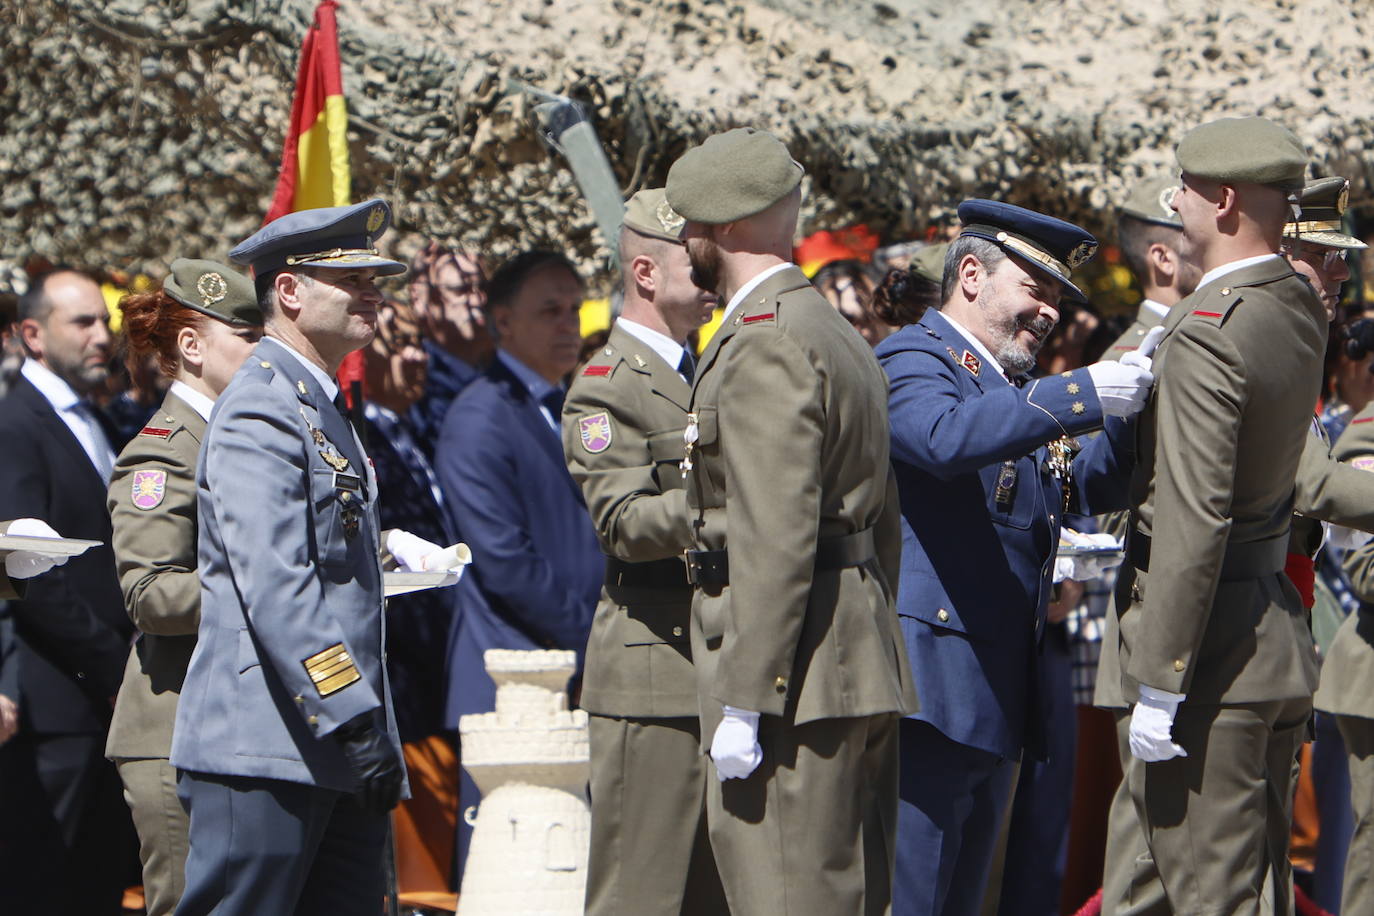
<point>136,131</point>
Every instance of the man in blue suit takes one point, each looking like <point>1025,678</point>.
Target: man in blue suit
<point>537,567</point>
<point>986,468</point>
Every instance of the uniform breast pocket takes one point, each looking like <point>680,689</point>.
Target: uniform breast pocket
<point>1013,491</point>
<point>339,508</point>
<point>666,451</point>
<point>707,446</point>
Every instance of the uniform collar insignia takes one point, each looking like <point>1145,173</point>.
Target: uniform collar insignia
<point>971,362</point>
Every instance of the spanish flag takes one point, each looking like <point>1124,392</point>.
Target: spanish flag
<point>314,159</point>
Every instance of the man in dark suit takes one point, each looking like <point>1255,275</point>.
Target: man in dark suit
<point>537,568</point>
<point>986,471</point>
<point>65,834</point>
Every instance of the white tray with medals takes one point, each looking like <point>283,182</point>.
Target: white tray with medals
<point>48,547</point>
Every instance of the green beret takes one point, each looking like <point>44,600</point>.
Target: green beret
<point>1323,205</point>
<point>648,213</point>
<point>212,289</point>
<point>1244,151</point>
<point>929,263</point>
<point>732,176</point>
<point>1150,202</point>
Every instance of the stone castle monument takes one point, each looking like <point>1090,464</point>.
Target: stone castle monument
<point>530,759</point>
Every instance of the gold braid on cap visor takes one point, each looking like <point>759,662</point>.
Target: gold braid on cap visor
<point>1027,250</point>
<point>333,254</point>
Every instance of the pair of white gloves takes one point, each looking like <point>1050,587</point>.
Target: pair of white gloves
<point>1084,568</point>
<point>25,564</point>
<point>415,554</point>
<point>1124,386</point>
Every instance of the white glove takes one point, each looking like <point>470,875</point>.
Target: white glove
<point>1122,388</point>
<point>1151,722</point>
<point>1084,569</point>
<point>1141,355</point>
<point>25,564</point>
<point>1346,538</point>
<point>415,554</point>
<point>735,745</point>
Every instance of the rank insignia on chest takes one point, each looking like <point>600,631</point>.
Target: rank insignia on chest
<point>971,362</point>
<point>148,489</point>
<point>1005,491</point>
<point>595,432</point>
<point>334,460</point>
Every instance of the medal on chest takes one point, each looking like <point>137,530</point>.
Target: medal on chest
<point>1060,465</point>
<point>689,440</point>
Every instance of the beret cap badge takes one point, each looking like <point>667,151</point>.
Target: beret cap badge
<point>212,287</point>
<point>669,219</point>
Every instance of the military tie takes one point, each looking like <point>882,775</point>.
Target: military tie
<point>687,366</point>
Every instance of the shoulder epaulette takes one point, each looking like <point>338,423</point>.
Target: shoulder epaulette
<point>1219,306</point>
<point>158,432</point>
<point>597,370</point>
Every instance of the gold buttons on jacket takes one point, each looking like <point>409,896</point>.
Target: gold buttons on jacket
<point>943,615</point>
<point>677,631</point>
<point>1178,664</point>
<point>313,720</point>
<point>780,684</point>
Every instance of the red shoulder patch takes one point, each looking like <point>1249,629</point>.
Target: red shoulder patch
<point>750,319</point>
<point>597,370</point>
<point>1206,314</point>
<point>158,431</point>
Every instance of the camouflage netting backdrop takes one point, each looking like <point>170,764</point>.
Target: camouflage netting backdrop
<point>135,131</point>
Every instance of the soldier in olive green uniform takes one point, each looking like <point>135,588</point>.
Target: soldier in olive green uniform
<point>1214,643</point>
<point>200,327</point>
<point>802,672</point>
<point>622,435</point>
<point>1325,490</point>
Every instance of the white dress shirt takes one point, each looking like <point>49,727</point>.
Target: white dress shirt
<point>194,399</point>
<point>671,351</point>
<point>76,412</point>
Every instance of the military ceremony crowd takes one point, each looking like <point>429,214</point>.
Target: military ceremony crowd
<point>921,590</point>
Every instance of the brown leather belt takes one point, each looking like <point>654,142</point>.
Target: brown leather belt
<point>652,574</point>
<point>711,568</point>
<point>1251,560</point>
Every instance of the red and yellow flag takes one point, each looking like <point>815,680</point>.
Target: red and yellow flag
<point>314,159</point>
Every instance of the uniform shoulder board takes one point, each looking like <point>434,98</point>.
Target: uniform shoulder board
<point>597,370</point>
<point>158,432</point>
<point>1218,307</point>
<point>755,319</point>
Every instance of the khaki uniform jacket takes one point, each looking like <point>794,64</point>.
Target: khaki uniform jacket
<point>1347,676</point>
<point>622,435</point>
<point>1146,319</point>
<point>792,448</point>
<point>1220,443</point>
<point>153,509</point>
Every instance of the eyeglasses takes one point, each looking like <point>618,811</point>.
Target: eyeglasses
<point>1332,255</point>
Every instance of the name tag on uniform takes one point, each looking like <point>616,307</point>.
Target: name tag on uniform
<point>347,482</point>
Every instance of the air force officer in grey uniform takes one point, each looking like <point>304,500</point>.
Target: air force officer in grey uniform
<point>285,738</point>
